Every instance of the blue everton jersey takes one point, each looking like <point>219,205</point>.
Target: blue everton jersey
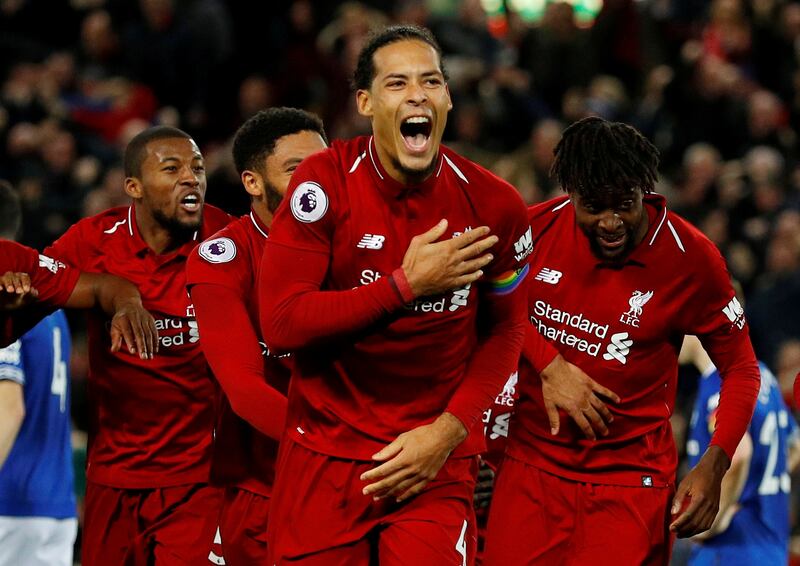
<point>37,478</point>
<point>759,531</point>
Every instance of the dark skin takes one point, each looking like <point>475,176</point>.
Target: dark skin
<point>131,324</point>
<point>615,222</point>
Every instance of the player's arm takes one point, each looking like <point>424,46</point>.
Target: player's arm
<point>12,413</point>
<point>415,457</point>
<point>12,401</point>
<point>118,298</point>
<point>716,317</point>
<point>731,490</point>
<point>237,364</point>
<point>567,387</point>
<point>793,452</point>
<point>295,313</point>
<point>16,291</point>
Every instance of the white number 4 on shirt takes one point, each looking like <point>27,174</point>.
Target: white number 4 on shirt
<point>461,544</point>
<point>59,383</point>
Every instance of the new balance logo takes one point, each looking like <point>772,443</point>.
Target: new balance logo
<point>619,348</point>
<point>550,276</point>
<point>371,242</point>
<point>524,246</point>
<point>735,313</point>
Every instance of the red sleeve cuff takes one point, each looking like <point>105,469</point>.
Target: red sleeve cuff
<point>401,283</point>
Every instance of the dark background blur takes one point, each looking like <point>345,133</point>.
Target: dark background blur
<point>715,84</point>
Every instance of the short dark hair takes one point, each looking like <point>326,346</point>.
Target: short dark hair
<point>255,140</point>
<point>365,67</point>
<point>136,150</point>
<point>10,211</point>
<point>596,155</point>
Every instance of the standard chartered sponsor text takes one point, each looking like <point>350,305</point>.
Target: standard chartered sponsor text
<point>545,312</point>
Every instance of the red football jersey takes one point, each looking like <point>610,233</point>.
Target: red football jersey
<point>351,396</point>
<point>624,325</point>
<point>496,421</point>
<point>152,420</point>
<point>242,456</point>
<point>52,279</point>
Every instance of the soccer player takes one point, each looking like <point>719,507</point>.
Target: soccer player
<point>37,502</point>
<point>147,493</point>
<point>618,280</point>
<point>33,285</point>
<point>752,525</point>
<point>221,277</point>
<point>38,523</point>
<point>373,274</point>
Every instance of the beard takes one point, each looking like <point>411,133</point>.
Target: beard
<point>180,231</point>
<point>416,176</point>
<point>619,257</point>
<point>272,197</point>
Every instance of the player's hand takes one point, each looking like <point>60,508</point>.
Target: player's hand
<point>565,386</point>
<point>16,290</point>
<point>697,500</point>
<point>134,326</point>
<point>432,267</point>
<point>484,486</point>
<point>413,459</point>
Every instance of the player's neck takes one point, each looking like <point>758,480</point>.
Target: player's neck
<point>159,238</point>
<point>263,212</point>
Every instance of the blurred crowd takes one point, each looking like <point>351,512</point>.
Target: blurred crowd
<point>715,84</point>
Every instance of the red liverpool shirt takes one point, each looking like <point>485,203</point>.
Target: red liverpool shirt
<point>624,327</point>
<point>52,279</point>
<point>152,419</point>
<point>227,264</point>
<point>353,393</point>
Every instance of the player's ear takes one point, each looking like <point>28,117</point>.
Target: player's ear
<point>133,187</point>
<point>449,98</point>
<point>364,102</point>
<point>253,183</point>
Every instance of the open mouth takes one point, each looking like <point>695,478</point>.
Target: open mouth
<point>612,242</point>
<point>191,202</point>
<point>416,133</point>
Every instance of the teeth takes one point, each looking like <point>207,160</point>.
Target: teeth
<point>191,199</point>
<point>417,120</point>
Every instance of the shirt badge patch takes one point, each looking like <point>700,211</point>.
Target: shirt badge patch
<point>50,264</point>
<point>218,250</point>
<point>309,202</point>
<point>635,305</point>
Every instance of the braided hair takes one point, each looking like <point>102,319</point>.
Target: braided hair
<point>596,155</point>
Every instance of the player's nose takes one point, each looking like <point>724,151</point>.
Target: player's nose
<point>610,221</point>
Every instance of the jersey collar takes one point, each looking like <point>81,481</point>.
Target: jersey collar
<point>258,224</point>
<point>141,248</point>
<point>655,207</point>
<point>391,187</point>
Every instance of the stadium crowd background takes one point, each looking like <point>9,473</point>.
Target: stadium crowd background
<point>715,84</point>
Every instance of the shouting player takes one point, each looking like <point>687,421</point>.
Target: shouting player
<point>221,276</point>
<point>618,280</point>
<point>147,494</point>
<point>374,273</point>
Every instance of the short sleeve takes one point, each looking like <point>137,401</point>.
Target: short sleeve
<point>11,363</point>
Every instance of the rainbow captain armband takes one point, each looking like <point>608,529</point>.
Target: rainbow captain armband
<point>506,282</point>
